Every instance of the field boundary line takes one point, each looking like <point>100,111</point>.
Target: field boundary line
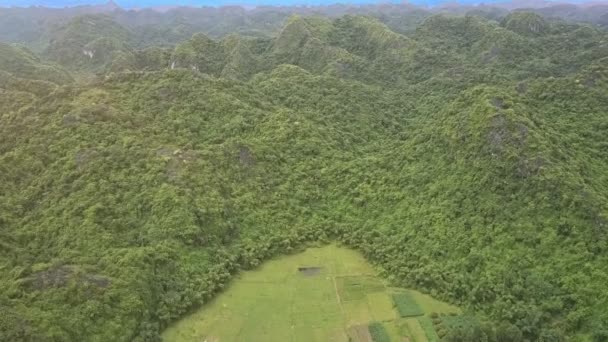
<point>338,296</point>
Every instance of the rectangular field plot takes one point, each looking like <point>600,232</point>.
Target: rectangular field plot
<point>359,333</point>
<point>306,334</point>
<point>381,306</point>
<point>319,326</point>
<point>260,331</point>
<point>319,315</point>
<point>411,328</point>
<point>357,312</point>
<point>406,305</point>
<point>378,332</point>
<point>429,330</point>
<point>357,287</point>
<point>395,331</point>
<point>309,297</point>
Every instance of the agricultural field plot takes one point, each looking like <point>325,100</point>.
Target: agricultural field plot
<point>406,305</point>
<point>322,294</point>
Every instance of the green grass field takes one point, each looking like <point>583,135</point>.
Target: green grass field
<point>278,302</point>
<point>406,305</point>
<point>378,332</point>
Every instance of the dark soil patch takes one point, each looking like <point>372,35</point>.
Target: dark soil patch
<point>498,103</point>
<point>96,280</point>
<point>491,55</point>
<point>51,278</point>
<point>359,333</point>
<point>84,156</point>
<point>70,120</point>
<point>60,276</point>
<point>246,157</point>
<point>177,160</point>
<point>310,271</point>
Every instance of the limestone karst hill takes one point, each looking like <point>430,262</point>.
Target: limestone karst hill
<point>465,158</point>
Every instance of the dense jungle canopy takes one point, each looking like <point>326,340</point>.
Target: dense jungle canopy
<point>146,157</point>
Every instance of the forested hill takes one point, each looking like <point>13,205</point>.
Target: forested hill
<point>464,157</point>
<point>38,27</point>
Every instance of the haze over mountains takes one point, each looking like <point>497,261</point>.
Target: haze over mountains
<point>162,5</point>
<point>37,27</point>
<point>132,4</point>
<point>147,157</point>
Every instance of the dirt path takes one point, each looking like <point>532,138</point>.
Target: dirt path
<point>338,295</point>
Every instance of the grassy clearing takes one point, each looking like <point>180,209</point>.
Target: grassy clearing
<point>277,302</point>
<point>357,312</point>
<point>357,287</point>
<point>381,306</point>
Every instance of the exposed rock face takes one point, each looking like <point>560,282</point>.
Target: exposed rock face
<point>525,23</point>
<point>88,53</point>
<point>60,276</point>
<point>246,157</point>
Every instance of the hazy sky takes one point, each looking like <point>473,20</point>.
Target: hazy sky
<point>148,3</point>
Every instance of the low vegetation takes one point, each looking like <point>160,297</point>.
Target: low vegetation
<point>378,332</point>
<point>406,306</point>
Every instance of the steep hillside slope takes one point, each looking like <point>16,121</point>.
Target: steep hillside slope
<point>88,42</point>
<point>21,63</point>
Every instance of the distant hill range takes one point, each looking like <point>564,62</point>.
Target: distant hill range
<point>34,26</point>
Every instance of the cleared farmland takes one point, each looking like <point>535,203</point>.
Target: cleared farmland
<point>322,294</point>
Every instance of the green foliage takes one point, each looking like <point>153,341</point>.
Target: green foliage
<point>378,332</point>
<point>466,159</point>
<point>406,305</point>
<point>429,329</point>
<point>87,42</point>
<point>22,63</point>
<point>469,328</point>
<point>526,23</point>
